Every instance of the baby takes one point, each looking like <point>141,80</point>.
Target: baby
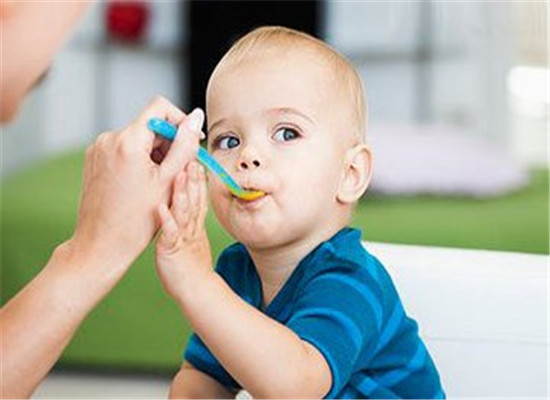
<point>297,308</point>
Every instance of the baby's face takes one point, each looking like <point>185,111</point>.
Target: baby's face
<point>276,126</point>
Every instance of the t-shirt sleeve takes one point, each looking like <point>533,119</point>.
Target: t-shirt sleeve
<point>340,314</point>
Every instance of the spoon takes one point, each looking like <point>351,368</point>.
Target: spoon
<point>169,131</point>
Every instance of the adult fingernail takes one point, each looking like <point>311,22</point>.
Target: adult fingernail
<point>195,120</point>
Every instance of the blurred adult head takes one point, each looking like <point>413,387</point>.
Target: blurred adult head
<point>32,32</point>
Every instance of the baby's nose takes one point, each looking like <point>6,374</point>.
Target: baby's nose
<point>250,164</point>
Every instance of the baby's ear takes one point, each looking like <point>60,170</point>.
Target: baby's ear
<point>356,174</point>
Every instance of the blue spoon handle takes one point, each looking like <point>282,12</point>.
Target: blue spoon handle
<point>169,131</point>
<point>162,128</point>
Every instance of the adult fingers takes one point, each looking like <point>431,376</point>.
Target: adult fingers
<point>138,136</point>
<point>185,144</point>
<point>160,149</point>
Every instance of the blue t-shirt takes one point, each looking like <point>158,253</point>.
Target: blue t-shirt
<point>341,300</point>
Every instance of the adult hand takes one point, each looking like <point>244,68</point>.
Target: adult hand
<point>122,189</point>
<point>127,175</point>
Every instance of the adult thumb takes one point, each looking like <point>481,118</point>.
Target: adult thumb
<point>185,145</point>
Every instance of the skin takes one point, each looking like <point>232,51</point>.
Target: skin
<point>127,175</point>
<point>312,180</point>
<point>32,32</point>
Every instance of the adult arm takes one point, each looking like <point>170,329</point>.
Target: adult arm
<point>122,188</point>
<point>40,320</point>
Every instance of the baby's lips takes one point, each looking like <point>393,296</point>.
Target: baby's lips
<point>253,192</point>
<point>251,195</point>
<point>252,188</point>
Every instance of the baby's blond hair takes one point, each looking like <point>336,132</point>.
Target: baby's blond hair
<point>277,35</point>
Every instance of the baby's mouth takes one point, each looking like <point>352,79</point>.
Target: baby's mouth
<point>257,194</point>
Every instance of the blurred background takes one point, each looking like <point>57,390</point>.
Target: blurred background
<point>458,105</point>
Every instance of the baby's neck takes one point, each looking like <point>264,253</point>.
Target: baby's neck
<point>276,264</point>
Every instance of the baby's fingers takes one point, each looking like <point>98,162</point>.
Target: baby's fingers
<point>195,222</point>
<point>187,204</point>
<point>180,201</point>
<point>169,235</point>
<point>203,197</point>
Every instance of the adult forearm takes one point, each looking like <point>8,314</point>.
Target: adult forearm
<point>121,190</point>
<point>38,323</point>
<point>264,356</point>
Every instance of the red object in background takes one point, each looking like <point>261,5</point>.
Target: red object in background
<point>127,20</point>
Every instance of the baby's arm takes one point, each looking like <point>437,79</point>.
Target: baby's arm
<point>265,357</point>
<point>268,359</point>
<point>190,383</point>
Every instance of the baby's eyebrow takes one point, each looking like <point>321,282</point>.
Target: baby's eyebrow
<point>277,111</point>
<point>289,110</point>
<point>218,122</point>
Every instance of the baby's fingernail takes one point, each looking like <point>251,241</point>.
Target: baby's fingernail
<point>195,119</point>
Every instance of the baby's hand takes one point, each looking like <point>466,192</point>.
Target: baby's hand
<point>182,248</point>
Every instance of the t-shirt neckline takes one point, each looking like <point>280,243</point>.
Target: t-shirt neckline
<point>281,298</point>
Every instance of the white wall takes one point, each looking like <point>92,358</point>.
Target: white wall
<point>465,69</point>
<point>471,47</point>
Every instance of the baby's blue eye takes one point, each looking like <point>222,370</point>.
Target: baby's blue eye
<point>227,142</point>
<point>285,135</point>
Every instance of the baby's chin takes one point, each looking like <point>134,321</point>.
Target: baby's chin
<point>257,237</point>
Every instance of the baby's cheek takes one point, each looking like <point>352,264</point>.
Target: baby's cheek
<point>312,190</point>
<point>217,198</point>
<point>304,182</point>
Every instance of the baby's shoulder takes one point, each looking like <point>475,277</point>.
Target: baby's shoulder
<point>355,262</point>
<point>340,269</point>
